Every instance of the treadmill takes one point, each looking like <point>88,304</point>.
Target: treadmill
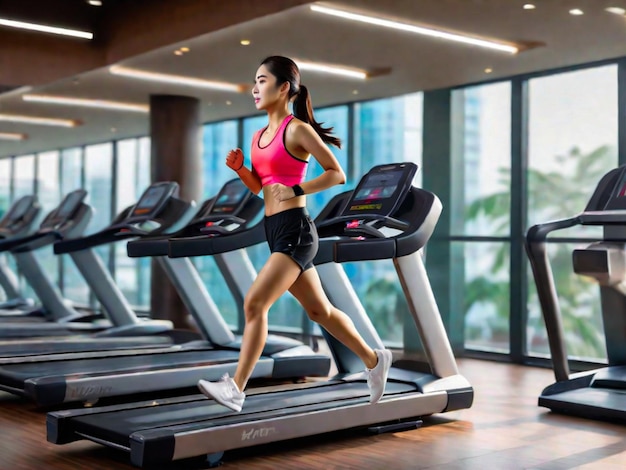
<point>158,211</point>
<point>18,222</point>
<point>598,393</point>
<point>68,219</point>
<point>67,378</point>
<point>384,218</point>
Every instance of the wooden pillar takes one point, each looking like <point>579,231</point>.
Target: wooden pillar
<point>176,155</point>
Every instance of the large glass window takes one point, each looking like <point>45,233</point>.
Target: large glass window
<point>129,272</point>
<point>48,192</point>
<point>385,131</point>
<point>98,183</point>
<point>5,200</point>
<point>23,176</point>
<point>572,142</point>
<point>218,139</point>
<point>480,197</point>
<point>5,185</point>
<point>74,286</point>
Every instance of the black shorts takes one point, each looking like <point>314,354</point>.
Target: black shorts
<point>293,232</point>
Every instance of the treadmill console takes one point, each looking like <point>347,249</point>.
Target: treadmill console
<point>65,210</point>
<point>152,201</point>
<point>377,196</point>
<point>231,198</point>
<point>18,211</point>
<point>221,214</point>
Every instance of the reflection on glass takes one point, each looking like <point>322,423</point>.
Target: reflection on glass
<point>485,294</point>
<point>581,310</point>
<point>482,120</point>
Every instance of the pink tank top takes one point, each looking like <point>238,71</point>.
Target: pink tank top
<point>273,163</point>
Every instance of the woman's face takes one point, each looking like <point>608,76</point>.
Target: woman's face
<point>265,92</point>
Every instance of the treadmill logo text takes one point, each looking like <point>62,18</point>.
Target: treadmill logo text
<point>253,434</point>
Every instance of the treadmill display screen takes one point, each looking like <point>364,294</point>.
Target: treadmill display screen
<point>373,189</point>
<point>149,200</point>
<point>70,204</point>
<point>230,197</point>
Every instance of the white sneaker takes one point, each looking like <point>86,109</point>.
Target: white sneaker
<point>377,377</point>
<point>225,392</point>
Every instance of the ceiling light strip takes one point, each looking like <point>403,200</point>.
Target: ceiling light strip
<point>331,69</point>
<point>12,136</point>
<point>87,103</point>
<point>38,120</point>
<point>45,29</point>
<point>173,79</point>
<point>499,46</point>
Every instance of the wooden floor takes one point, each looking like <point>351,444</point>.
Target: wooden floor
<point>503,430</point>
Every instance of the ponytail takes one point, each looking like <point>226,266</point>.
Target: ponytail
<point>303,110</point>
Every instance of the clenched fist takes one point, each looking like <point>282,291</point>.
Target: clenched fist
<point>281,193</point>
<point>234,159</point>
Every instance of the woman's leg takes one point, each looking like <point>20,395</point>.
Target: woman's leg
<point>309,292</point>
<point>276,276</point>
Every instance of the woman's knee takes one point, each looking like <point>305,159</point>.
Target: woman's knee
<point>254,307</point>
<point>319,313</point>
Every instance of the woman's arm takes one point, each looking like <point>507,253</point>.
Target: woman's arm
<point>304,137</point>
<point>234,160</point>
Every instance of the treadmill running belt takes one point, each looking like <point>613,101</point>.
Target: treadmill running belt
<point>14,375</point>
<point>117,426</point>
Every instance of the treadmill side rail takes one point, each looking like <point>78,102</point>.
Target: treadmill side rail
<point>155,446</point>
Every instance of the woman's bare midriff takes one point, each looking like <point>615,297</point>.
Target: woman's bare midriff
<point>272,206</point>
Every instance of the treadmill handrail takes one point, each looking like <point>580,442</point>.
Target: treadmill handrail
<point>44,237</point>
<point>106,236</point>
<point>203,245</point>
<point>536,249</point>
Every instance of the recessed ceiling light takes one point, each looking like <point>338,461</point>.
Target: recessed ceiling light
<point>12,136</point>
<point>228,103</point>
<point>95,3</point>
<point>87,103</point>
<point>529,6</point>
<point>244,42</point>
<point>355,92</point>
<point>576,12</point>
<point>332,69</point>
<point>488,70</point>
<point>184,49</point>
<point>39,120</point>
<point>113,129</point>
<point>413,28</point>
<point>173,79</point>
<point>178,53</point>
<point>45,29</point>
<point>616,10</point>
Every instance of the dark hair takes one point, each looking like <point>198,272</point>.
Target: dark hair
<point>286,70</point>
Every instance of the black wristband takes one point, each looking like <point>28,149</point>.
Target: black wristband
<point>297,190</point>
